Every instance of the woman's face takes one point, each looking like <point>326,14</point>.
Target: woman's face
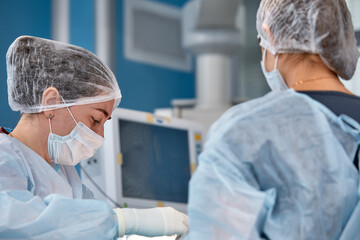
<point>92,115</point>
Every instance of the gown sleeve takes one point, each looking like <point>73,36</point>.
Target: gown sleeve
<point>26,216</point>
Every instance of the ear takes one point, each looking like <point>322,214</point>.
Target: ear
<point>268,32</point>
<point>51,96</point>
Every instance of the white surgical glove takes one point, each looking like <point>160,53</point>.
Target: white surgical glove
<point>151,222</point>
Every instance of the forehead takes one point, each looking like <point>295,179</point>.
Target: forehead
<point>105,107</point>
<point>107,104</point>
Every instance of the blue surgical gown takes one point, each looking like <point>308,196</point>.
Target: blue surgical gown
<point>278,167</point>
<point>40,202</point>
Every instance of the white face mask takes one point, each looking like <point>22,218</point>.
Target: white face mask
<point>79,145</point>
<point>273,78</point>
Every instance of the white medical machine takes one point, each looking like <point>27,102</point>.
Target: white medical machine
<point>212,31</point>
<point>146,160</point>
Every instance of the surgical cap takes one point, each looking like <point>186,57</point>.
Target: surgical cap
<point>321,27</point>
<point>35,64</point>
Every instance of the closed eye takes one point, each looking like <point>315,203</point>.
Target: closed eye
<point>95,120</point>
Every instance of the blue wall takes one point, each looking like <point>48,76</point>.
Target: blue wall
<point>19,17</point>
<point>82,23</point>
<point>144,87</point>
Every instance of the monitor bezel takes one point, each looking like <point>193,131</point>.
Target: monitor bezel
<point>112,150</point>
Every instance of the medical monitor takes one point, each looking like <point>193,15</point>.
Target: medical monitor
<point>149,159</point>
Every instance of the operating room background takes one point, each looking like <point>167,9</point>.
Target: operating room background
<point>144,87</point>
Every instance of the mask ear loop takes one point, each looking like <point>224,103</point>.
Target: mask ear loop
<point>71,115</point>
<point>56,168</point>
<point>276,61</point>
<point>50,116</point>
<point>264,55</point>
<point>69,111</point>
<point>263,58</point>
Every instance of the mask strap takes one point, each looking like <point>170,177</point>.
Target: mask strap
<point>264,55</point>
<point>71,115</point>
<point>69,110</point>
<point>276,61</point>
<point>50,125</point>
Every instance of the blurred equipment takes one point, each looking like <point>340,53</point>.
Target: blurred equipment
<point>215,32</point>
<point>146,160</point>
<point>153,35</point>
<point>212,30</point>
<point>60,20</point>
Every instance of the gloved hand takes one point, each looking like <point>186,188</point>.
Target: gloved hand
<point>151,222</point>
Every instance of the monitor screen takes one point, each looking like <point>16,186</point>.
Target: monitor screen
<point>155,162</point>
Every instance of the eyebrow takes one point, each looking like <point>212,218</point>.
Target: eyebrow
<point>104,112</point>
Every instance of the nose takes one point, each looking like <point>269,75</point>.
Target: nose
<point>101,131</point>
